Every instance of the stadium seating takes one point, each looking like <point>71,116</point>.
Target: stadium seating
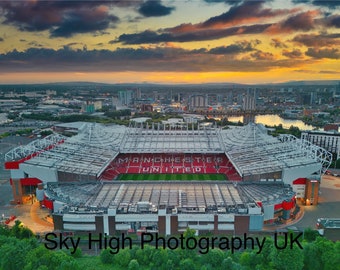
<point>171,164</point>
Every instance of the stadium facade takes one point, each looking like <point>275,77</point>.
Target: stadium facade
<point>78,177</point>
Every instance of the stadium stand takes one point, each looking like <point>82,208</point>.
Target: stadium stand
<point>170,163</point>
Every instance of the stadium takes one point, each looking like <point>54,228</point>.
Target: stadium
<point>167,177</point>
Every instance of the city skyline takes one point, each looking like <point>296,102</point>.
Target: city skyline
<point>199,41</point>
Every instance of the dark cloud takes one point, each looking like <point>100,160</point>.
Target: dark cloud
<point>154,8</point>
<point>61,18</point>
<point>30,15</point>
<point>296,53</point>
<point>208,34</point>
<point>83,21</point>
<point>323,53</point>
<point>100,33</point>
<point>329,72</point>
<point>304,71</point>
<point>248,11</point>
<point>304,21</point>
<point>71,44</point>
<point>317,40</point>
<point>141,59</point>
<point>230,2</point>
<point>277,43</point>
<point>326,3</point>
<point>301,1</point>
<point>261,56</point>
<point>147,36</point>
<point>317,72</point>
<point>239,47</point>
<point>238,20</point>
<point>35,44</point>
<point>331,21</point>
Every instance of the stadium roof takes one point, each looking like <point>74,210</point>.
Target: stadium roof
<point>186,196</point>
<point>250,149</point>
<point>171,139</point>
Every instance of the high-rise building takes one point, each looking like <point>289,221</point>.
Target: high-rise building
<point>249,100</point>
<point>327,140</point>
<point>88,107</point>
<point>337,91</point>
<point>125,97</point>
<point>198,101</point>
<point>138,93</point>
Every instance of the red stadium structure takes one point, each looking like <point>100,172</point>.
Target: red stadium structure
<point>170,164</point>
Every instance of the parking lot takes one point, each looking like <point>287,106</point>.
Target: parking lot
<point>329,203</point>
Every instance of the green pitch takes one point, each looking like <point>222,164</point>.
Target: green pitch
<point>172,177</point>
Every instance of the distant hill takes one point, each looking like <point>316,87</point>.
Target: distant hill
<point>308,83</point>
<point>153,86</point>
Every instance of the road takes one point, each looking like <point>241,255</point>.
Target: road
<point>329,203</point>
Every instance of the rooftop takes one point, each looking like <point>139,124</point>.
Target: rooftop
<point>193,196</point>
<point>249,148</point>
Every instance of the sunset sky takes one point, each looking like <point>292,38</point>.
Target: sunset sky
<point>178,41</point>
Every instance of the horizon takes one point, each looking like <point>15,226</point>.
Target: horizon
<point>306,82</point>
<point>246,42</point>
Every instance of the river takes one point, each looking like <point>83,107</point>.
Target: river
<point>275,120</point>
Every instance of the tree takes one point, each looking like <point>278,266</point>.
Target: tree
<point>133,265</point>
<point>11,257</point>
<point>43,267</point>
<point>14,252</point>
<point>250,259</point>
<point>228,264</point>
<point>106,257</point>
<point>329,253</point>
<point>123,257</point>
<point>173,258</point>
<point>170,265</point>
<point>246,259</point>
<point>159,258</point>
<point>188,252</point>
<point>52,259</point>
<point>214,257</point>
<point>133,251</point>
<point>312,258</point>
<point>310,235</point>
<point>7,240</point>
<point>20,231</point>
<point>265,261</point>
<point>76,253</point>
<point>68,265</point>
<point>289,258</point>
<point>187,264</point>
<point>143,256</point>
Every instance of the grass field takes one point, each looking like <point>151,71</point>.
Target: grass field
<point>171,177</point>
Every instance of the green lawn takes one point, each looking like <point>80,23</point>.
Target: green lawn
<point>171,177</point>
